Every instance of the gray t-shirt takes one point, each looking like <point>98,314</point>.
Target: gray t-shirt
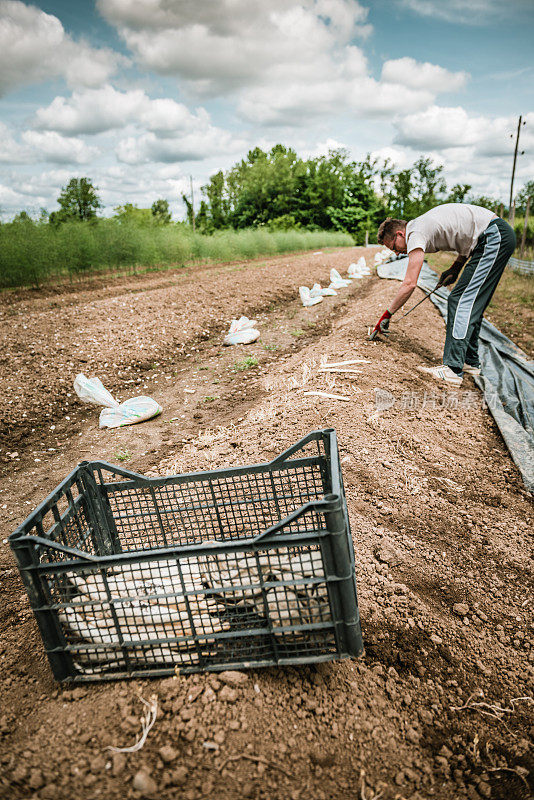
<point>452,226</point>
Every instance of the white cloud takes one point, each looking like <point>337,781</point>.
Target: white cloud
<point>220,45</point>
<point>439,128</point>
<point>34,47</point>
<point>470,12</point>
<point>34,147</point>
<point>287,62</point>
<point>165,116</point>
<point>322,148</point>
<point>51,146</point>
<point>92,111</point>
<point>12,152</point>
<point>142,184</point>
<point>116,185</point>
<point>477,150</point>
<point>161,130</point>
<point>401,158</point>
<point>416,75</point>
<point>194,146</point>
<point>9,198</point>
<point>338,92</point>
<point>44,183</point>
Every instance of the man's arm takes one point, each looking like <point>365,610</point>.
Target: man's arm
<point>415,263</point>
<point>450,275</point>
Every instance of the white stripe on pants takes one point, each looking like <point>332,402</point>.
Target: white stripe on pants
<point>469,294</point>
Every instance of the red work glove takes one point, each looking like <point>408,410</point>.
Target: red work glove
<point>382,325</point>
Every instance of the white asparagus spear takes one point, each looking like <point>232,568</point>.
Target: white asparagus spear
<point>83,628</point>
<point>336,370</point>
<point>161,570</point>
<point>142,656</point>
<point>104,631</point>
<point>346,363</point>
<point>94,588</point>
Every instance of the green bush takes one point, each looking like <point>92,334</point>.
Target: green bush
<point>33,254</point>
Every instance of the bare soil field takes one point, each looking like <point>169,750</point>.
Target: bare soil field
<point>440,706</point>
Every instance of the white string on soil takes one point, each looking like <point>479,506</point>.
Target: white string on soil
<point>325,394</point>
<point>491,710</point>
<point>147,722</point>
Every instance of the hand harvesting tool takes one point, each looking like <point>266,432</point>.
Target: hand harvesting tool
<point>418,304</point>
<point>382,326</point>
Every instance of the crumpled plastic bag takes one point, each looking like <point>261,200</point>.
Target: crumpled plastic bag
<point>114,414</point>
<point>336,281</point>
<point>317,291</point>
<point>354,271</point>
<point>242,331</point>
<point>307,299</point>
<point>358,270</point>
<point>383,255</point>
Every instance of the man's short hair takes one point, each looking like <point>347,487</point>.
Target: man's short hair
<point>389,228</point>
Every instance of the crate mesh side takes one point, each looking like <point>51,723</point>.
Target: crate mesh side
<point>232,507</point>
<point>65,522</point>
<point>196,611</point>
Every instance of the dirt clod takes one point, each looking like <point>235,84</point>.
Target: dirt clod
<point>144,784</point>
<point>233,677</point>
<point>461,609</point>
<point>167,754</point>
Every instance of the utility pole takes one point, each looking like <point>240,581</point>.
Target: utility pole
<point>515,159</point>
<point>192,202</point>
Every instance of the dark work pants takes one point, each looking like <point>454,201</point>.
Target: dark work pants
<point>472,293</point>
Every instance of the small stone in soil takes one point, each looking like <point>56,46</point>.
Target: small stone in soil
<point>144,784</point>
<point>233,677</point>
<point>460,609</point>
<point>167,753</point>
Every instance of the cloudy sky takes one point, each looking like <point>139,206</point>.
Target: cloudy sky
<point>139,95</point>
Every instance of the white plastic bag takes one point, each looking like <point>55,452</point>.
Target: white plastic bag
<point>241,331</point>
<point>354,271</point>
<point>378,258</point>
<point>114,414</point>
<point>92,390</point>
<point>336,281</point>
<point>137,409</point>
<point>317,291</point>
<point>362,266</point>
<point>358,270</point>
<point>307,299</point>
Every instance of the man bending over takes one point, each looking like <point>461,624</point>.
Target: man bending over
<point>485,242</point>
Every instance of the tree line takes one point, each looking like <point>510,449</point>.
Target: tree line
<point>281,191</point>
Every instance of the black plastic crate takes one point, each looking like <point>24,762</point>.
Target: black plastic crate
<point>253,566</point>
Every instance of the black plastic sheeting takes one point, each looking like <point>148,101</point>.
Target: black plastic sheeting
<point>506,379</point>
